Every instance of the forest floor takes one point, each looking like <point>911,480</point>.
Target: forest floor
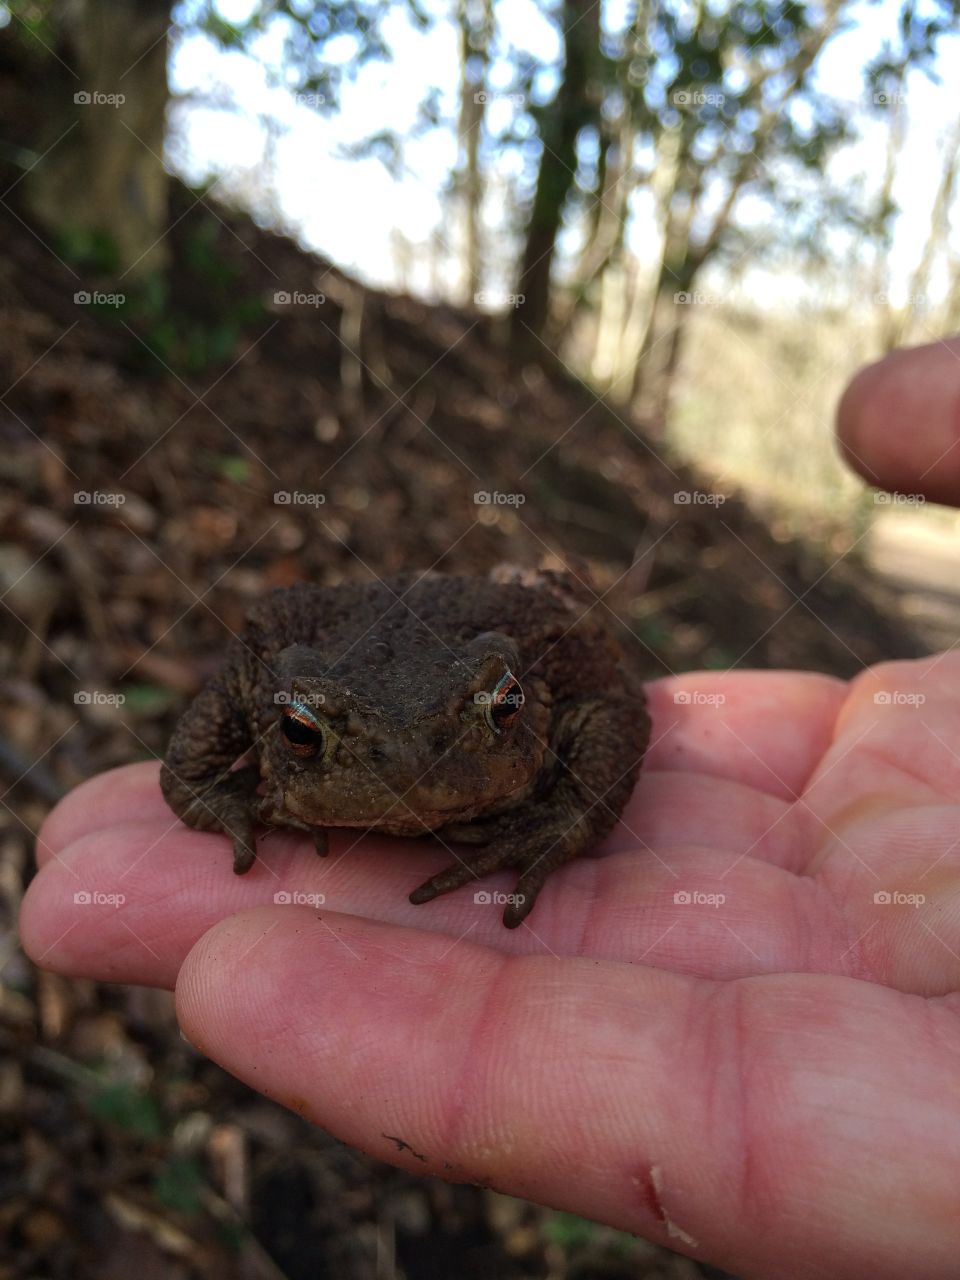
<point>141,449</point>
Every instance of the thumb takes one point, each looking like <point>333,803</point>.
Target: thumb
<point>898,422</point>
<point>754,1123</point>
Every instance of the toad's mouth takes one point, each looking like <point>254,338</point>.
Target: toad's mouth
<point>399,815</point>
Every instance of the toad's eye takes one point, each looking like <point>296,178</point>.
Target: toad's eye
<point>302,730</point>
<point>505,703</point>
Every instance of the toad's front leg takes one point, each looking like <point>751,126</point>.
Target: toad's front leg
<point>588,778</point>
<point>197,778</point>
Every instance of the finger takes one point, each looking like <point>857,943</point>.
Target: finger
<point>119,796</point>
<point>886,801</point>
<point>765,729</point>
<point>126,904</point>
<point>899,421</point>
<point>755,1124</point>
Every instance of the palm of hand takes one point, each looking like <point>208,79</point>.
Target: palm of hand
<point>737,1033</point>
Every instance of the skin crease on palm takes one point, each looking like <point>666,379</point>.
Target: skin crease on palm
<point>770,1083</point>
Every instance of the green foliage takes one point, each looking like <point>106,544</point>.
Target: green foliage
<point>89,249</point>
<point>920,30</point>
<point>204,261</point>
<point>147,700</point>
<point>191,317</point>
<point>570,1232</point>
<point>233,468</point>
<point>33,19</point>
<point>323,44</point>
<point>655,635</point>
<point>127,1108</point>
<point>575,1235</point>
<point>178,1185</point>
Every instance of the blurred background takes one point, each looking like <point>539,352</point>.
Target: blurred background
<point>325,291</point>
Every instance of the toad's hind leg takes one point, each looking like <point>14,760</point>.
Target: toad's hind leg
<point>473,866</point>
<point>596,759</point>
<point>196,777</point>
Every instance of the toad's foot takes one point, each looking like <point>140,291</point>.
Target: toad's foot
<point>228,805</point>
<point>534,844</point>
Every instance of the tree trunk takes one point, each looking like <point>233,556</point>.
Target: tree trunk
<point>475,38</point>
<point>99,182</point>
<point>917,299</point>
<point>560,125</point>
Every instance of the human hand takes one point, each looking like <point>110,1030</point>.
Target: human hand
<point>766,1082</point>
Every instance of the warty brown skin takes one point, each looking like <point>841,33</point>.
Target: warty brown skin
<point>496,711</point>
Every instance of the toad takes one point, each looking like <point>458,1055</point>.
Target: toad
<point>498,712</point>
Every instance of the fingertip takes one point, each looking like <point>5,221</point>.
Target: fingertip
<point>898,421</point>
<point>329,1007</point>
<point>32,920</point>
<point>130,793</point>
